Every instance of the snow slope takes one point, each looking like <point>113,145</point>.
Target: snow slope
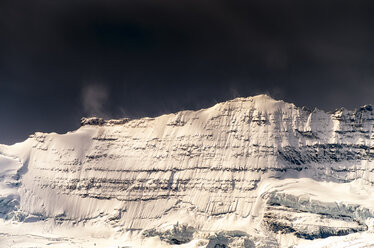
<point>250,172</point>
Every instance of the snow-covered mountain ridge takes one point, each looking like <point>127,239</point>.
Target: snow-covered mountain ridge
<point>250,172</point>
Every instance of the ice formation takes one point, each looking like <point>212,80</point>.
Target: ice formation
<point>250,172</point>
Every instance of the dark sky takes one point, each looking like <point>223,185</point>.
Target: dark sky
<point>64,59</point>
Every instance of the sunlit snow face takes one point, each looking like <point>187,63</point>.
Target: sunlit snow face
<point>250,171</point>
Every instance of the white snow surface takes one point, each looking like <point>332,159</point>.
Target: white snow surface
<point>250,172</point>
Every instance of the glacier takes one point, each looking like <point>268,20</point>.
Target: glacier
<point>249,172</point>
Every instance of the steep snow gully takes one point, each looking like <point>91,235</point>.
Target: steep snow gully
<point>250,172</point>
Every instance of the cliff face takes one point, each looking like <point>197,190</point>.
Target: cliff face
<point>250,170</point>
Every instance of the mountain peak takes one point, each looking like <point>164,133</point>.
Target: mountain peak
<point>254,161</point>
<point>263,97</point>
<point>262,102</point>
<point>256,98</point>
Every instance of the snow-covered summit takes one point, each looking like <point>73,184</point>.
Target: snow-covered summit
<point>247,172</point>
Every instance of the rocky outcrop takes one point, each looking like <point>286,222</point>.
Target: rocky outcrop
<point>311,219</point>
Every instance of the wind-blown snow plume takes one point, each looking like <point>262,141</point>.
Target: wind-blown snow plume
<point>94,97</point>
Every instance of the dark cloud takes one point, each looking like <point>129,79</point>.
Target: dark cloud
<point>148,57</point>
